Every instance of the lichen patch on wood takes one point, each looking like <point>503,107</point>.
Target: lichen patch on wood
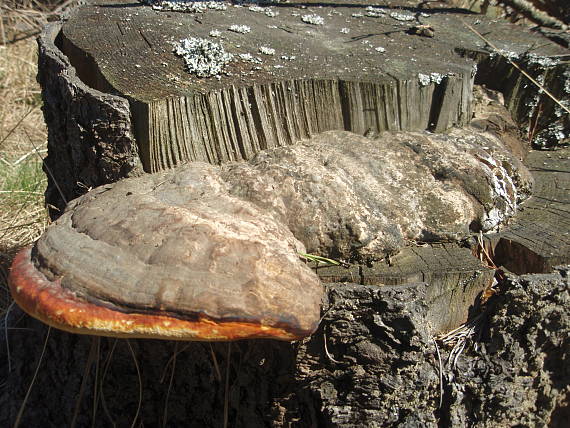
<point>401,98</point>
<point>383,84</point>
<point>193,6</point>
<point>203,57</point>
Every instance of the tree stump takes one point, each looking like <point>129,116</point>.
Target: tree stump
<point>119,103</point>
<point>318,79</point>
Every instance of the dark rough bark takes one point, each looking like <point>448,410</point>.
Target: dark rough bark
<point>90,141</point>
<point>520,374</point>
<point>542,120</point>
<point>379,368</point>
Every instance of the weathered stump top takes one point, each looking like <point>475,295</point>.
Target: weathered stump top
<point>363,69</point>
<point>132,45</point>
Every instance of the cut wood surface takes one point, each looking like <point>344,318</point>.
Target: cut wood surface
<point>109,74</point>
<point>370,76</point>
<point>332,81</point>
<point>454,275</point>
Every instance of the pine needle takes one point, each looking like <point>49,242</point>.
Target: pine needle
<point>216,365</point>
<point>101,393</point>
<point>140,383</point>
<point>324,260</point>
<point>227,387</point>
<point>23,406</point>
<point>165,412</point>
<point>6,335</point>
<point>88,364</point>
<point>440,374</point>
<point>96,383</point>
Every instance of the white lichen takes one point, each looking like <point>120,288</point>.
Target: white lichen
<point>215,33</point>
<point>203,58</point>
<point>250,58</point>
<point>313,19</point>
<point>375,12</point>
<point>288,58</point>
<point>543,61</point>
<point>398,16</point>
<point>265,10</point>
<point>513,56</point>
<point>191,6</point>
<point>243,29</point>
<point>426,79</point>
<point>380,49</point>
<point>266,50</point>
<point>436,77</point>
<point>502,189</point>
<point>345,30</point>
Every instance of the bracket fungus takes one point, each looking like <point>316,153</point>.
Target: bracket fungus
<point>168,256</point>
<point>205,252</point>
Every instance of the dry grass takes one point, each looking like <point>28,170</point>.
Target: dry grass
<point>22,132</point>
<point>23,19</point>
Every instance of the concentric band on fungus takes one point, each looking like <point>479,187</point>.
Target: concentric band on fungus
<point>50,303</point>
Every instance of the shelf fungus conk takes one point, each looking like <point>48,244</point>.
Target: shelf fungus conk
<point>168,256</point>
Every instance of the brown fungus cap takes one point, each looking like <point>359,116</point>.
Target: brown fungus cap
<point>168,256</point>
<point>49,302</point>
